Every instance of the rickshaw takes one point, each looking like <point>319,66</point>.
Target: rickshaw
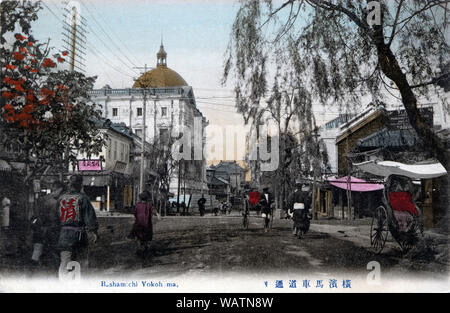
<point>399,215</point>
<point>253,199</point>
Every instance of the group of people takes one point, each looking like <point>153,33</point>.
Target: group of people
<point>65,223</point>
<point>264,202</point>
<point>298,207</point>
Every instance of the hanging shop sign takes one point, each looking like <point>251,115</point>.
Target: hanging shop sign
<point>89,165</point>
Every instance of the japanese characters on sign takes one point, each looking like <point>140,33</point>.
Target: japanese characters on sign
<point>89,165</point>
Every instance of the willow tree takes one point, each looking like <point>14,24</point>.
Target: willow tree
<point>341,52</point>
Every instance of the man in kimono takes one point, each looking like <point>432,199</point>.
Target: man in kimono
<point>266,201</point>
<point>78,224</point>
<point>303,197</point>
<point>45,223</point>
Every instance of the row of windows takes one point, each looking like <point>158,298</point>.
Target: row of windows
<point>115,112</point>
<point>118,151</point>
<point>164,135</point>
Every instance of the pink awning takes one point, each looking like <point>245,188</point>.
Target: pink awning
<point>356,184</point>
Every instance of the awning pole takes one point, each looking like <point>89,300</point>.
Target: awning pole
<point>108,193</point>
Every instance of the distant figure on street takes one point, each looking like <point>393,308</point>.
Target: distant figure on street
<point>78,223</point>
<point>143,226</point>
<point>201,205</point>
<point>6,208</point>
<point>246,205</point>
<point>183,208</point>
<point>299,204</point>
<point>266,201</point>
<point>45,223</point>
<point>223,208</point>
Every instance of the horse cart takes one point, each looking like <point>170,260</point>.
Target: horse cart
<point>399,215</point>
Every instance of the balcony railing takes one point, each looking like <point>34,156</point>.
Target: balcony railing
<point>136,91</point>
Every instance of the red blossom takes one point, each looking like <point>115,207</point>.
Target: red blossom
<point>30,95</point>
<point>34,61</point>
<point>29,108</point>
<point>44,101</point>
<point>20,37</point>
<point>48,63</point>
<point>8,107</point>
<point>30,43</point>
<point>9,117</point>
<point>45,92</point>
<point>19,88</point>
<point>18,56</point>
<point>27,67</point>
<point>20,82</point>
<point>7,80</point>
<point>60,60</point>
<point>8,95</point>
<point>10,67</point>
<point>23,50</point>
<point>65,53</point>
<point>34,70</point>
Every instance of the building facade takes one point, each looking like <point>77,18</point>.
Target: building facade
<point>108,178</point>
<point>162,105</point>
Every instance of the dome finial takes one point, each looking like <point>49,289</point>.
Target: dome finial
<point>161,56</point>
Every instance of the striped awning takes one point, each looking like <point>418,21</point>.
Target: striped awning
<point>4,166</point>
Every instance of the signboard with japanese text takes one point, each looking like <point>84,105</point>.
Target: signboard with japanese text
<point>89,165</point>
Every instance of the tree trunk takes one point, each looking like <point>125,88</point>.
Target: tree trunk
<point>393,71</point>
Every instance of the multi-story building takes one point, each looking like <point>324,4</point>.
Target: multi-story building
<point>161,100</point>
<point>108,177</point>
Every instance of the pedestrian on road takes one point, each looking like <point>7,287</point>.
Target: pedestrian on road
<point>266,201</point>
<point>143,226</point>
<point>45,223</point>
<point>78,223</point>
<point>183,207</point>
<point>299,203</point>
<point>201,205</point>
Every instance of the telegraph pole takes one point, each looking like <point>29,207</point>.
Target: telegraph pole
<point>74,36</point>
<point>144,113</point>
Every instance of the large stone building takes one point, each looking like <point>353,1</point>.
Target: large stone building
<point>170,109</point>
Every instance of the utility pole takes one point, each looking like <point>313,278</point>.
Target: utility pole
<point>179,186</point>
<point>144,113</point>
<point>74,36</point>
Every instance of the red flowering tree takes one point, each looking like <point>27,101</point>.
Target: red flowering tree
<point>45,112</point>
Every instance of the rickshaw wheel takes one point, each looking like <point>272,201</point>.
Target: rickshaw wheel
<point>379,230</point>
<point>410,238</point>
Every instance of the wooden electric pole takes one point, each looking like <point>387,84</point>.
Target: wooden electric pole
<point>144,133</point>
